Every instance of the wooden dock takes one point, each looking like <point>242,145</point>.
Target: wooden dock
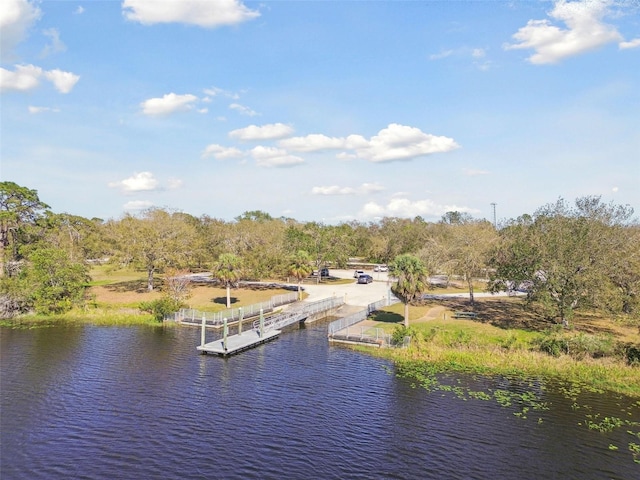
<point>238,343</point>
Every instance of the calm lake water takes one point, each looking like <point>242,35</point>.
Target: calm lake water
<point>141,403</point>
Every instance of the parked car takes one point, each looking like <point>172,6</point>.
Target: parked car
<point>380,268</point>
<point>357,273</point>
<point>365,279</point>
<point>324,272</point>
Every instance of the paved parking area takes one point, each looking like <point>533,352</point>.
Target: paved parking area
<point>353,292</point>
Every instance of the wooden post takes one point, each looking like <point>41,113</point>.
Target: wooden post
<point>203,333</point>
<point>225,332</point>
<point>240,317</point>
<point>261,323</point>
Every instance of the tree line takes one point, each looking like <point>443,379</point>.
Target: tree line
<point>565,256</point>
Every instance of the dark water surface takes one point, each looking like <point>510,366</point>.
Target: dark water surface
<point>141,403</point>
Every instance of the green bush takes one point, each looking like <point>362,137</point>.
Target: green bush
<point>161,307</point>
<point>577,345</point>
<point>595,346</point>
<point>630,352</point>
<point>399,334</point>
<point>553,345</point>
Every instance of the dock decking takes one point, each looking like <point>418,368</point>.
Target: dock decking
<point>238,343</point>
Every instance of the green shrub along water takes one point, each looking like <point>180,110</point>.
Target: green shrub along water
<point>597,361</point>
<point>161,308</point>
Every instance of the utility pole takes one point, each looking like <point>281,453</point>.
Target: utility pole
<point>495,224</point>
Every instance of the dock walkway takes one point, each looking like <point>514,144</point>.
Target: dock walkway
<point>263,329</point>
<point>239,342</point>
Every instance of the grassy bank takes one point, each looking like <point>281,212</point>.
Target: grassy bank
<point>509,341</point>
<point>113,298</point>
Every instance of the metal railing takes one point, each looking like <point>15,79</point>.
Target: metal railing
<point>298,313</point>
<point>368,335</point>
<point>189,315</point>
<point>345,322</point>
<point>342,329</point>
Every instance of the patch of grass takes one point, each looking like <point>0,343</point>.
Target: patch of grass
<point>593,374</point>
<point>106,275</point>
<point>385,316</point>
<point>127,289</point>
<point>415,311</point>
<point>505,340</point>
<point>115,298</point>
<point>104,317</point>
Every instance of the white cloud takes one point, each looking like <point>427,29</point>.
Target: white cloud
<point>138,182</point>
<point>34,110</point>
<point>312,143</point>
<point>371,188</point>
<point>265,132</point>
<point>630,44</point>
<point>400,142</point>
<point>16,17</point>
<point>27,77</point>
<point>441,55</point>
<point>477,56</point>
<point>333,190</point>
<point>221,153</point>
<point>24,78</point>
<point>174,184</point>
<point>204,13</point>
<point>62,81</point>
<point>404,208</point>
<point>365,188</point>
<point>346,156</point>
<point>396,142</point>
<point>56,44</point>
<point>169,103</point>
<point>79,10</point>
<point>274,157</point>
<point>137,205</point>
<point>585,31</point>
<point>242,110</point>
<point>216,92</point>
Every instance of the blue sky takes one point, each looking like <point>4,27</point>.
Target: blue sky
<point>320,110</point>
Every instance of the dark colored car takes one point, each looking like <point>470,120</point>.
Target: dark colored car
<point>365,279</point>
<point>324,272</point>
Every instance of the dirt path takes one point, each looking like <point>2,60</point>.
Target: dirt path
<point>432,314</point>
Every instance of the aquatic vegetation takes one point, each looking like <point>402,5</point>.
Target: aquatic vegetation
<point>522,397</point>
<point>607,424</point>
<point>634,448</point>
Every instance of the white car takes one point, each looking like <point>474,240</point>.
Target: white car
<point>380,268</point>
<point>357,273</point>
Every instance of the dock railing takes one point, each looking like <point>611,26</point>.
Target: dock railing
<point>299,312</point>
<point>345,322</point>
<point>192,316</point>
<point>343,329</point>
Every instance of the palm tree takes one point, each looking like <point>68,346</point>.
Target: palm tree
<point>412,280</point>
<point>300,267</point>
<point>228,269</point>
